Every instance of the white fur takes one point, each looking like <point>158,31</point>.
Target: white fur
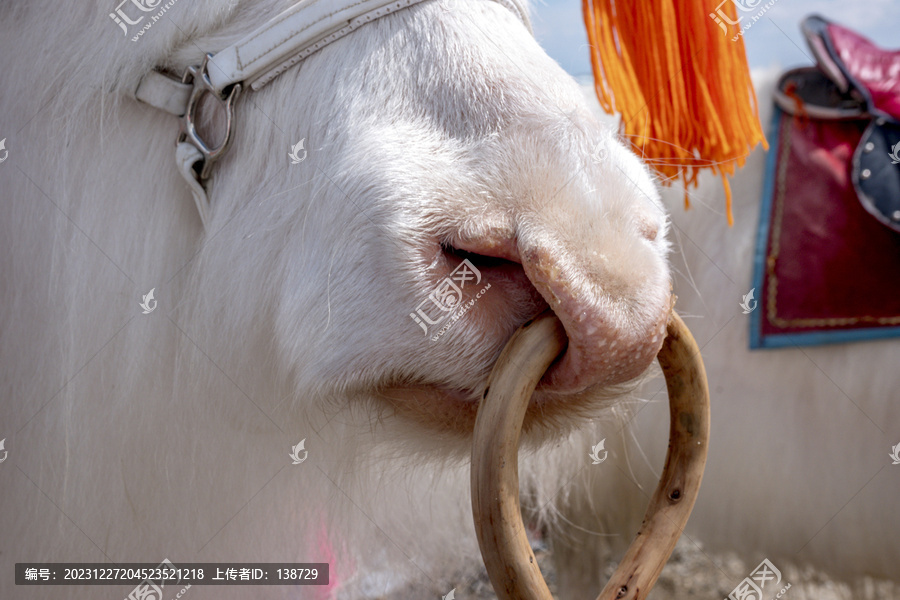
<point>137,437</point>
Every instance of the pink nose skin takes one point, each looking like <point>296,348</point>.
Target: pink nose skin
<point>615,325</point>
<point>611,339</point>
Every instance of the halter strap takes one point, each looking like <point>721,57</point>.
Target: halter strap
<point>253,62</point>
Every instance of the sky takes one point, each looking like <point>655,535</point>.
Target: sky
<point>773,41</point>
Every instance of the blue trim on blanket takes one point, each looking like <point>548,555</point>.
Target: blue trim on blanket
<point>819,338</point>
<point>762,231</point>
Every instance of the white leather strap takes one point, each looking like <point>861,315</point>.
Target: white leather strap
<point>281,43</point>
<point>298,32</point>
<point>186,156</point>
<point>164,93</point>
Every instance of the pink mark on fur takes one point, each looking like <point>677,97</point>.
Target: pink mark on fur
<point>325,552</point>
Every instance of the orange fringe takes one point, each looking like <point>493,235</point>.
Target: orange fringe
<point>682,86</point>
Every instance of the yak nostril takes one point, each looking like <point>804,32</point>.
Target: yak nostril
<point>491,251</point>
<point>479,260</point>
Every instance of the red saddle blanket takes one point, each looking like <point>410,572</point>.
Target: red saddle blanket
<point>826,270</point>
<point>827,265</point>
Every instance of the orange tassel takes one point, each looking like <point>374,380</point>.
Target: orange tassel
<point>682,86</point>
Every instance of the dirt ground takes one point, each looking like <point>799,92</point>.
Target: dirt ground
<point>689,576</point>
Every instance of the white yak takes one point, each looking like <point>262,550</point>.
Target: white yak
<point>439,133</point>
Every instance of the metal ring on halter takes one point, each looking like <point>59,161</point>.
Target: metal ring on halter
<point>198,77</point>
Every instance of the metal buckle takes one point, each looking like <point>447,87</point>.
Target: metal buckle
<point>199,78</point>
